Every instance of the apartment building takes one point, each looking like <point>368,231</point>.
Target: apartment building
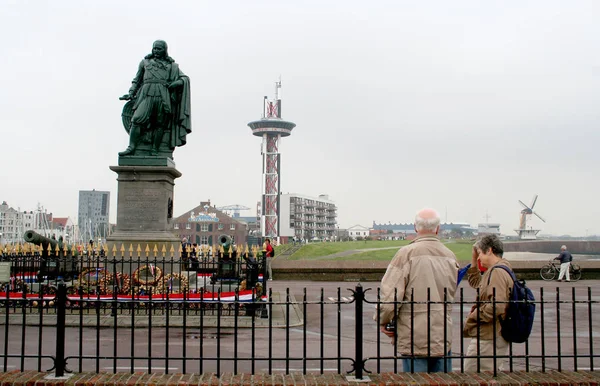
<point>92,218</point>
<point>307,218</point>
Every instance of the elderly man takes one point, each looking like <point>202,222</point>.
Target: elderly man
<point>426,270</point>
<point>565,258</point>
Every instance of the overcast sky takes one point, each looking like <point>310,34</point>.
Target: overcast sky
<point>464,106</point>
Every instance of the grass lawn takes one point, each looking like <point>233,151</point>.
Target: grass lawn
<point>320,251</point>
<point>314,250</point>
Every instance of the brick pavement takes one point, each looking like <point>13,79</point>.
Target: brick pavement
<point>551,378</point>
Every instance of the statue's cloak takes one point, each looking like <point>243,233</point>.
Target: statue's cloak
<point>181,105</point>
<point>176,102</point>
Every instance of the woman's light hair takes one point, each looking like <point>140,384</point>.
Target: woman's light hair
<point>428,224</point>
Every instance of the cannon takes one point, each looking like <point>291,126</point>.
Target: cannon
<point>52,265</point>
<point>227,266</point>
<point>48,245</point>
<point>226,242</point>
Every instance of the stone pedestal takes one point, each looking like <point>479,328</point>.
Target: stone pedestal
<point>144,209</point>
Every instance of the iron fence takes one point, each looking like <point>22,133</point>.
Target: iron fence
<point>216,327</point>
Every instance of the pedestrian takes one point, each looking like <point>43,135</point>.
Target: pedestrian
<point>269,252</point>
<point>185,248</point>
<point>565,258</point>
<point>426,271</point>
<point>194,257</point>
<point>486,312</point>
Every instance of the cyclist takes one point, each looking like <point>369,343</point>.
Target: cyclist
<point>565,258</point>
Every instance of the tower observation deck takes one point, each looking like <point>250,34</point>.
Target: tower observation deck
<point>271,128</point>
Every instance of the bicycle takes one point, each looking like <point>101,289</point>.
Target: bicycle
<point>552,269</point>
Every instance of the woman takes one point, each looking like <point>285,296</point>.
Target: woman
<point>269,255</point>
<point>479,325</point>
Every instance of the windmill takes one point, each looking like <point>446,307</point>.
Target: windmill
<point>526,212</point>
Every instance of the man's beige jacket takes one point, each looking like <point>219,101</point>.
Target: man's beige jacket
<point>424,263</point>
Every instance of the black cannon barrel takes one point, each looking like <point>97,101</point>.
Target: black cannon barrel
<point>37,239</point>
<point>225,242</point>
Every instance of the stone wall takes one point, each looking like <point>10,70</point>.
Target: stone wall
<point>577,247</point>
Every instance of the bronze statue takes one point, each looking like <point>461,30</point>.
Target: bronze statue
<point>158,114</point>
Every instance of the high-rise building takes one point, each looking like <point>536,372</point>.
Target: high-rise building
<point>94,208</point>
<point>308,218</point>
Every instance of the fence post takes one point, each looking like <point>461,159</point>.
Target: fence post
<point>359,297</point>
<point>265,272</point>
<point>61,305</point>
<point>263,313</point>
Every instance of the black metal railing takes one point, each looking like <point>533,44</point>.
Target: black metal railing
<point>92,324</point>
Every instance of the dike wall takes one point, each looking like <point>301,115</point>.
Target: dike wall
<point>353,271</point>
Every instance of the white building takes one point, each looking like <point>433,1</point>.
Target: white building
<point>11,224</point>
<point>14,223</point>
<point>307,218</point>
<point>488,228</point>
<point>92,219</point>
<point>64,227</point>
<point>357,231</point>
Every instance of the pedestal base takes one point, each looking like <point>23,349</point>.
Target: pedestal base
<point>144,240</point>
<point>144,210</point>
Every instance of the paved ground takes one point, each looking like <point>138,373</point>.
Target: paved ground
<point>327,331</point>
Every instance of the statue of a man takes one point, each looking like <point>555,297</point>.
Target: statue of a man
<point>161,105</point>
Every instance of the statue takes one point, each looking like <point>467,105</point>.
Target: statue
<point>158,114</point>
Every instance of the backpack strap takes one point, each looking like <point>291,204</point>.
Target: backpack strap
<point>505,268</point>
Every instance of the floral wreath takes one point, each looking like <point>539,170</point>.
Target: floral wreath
<point>123,282</point>
<point>86,274</point>
<point>156,275</point>
<point>16,285</point>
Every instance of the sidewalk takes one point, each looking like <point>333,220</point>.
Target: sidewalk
<point>159,319</point>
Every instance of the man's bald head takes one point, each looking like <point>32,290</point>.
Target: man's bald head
<point>427,221</point>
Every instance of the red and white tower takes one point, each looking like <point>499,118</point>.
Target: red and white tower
<point>271,128</point>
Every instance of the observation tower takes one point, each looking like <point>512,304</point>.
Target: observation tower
<point>271,128</point>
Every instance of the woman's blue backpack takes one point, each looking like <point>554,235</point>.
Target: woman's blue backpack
<point>517,325</point>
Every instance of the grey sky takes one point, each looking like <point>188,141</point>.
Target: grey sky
<point>465,106</point>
